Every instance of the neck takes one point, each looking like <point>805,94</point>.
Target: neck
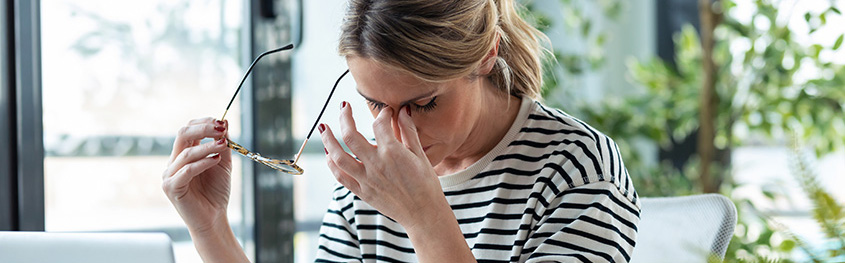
<point>487,131</point>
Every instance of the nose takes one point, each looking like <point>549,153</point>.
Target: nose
<point>395,123</point>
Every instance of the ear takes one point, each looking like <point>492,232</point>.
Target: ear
<point>490,59</point>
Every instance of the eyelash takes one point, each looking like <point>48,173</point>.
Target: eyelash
<point>377,106</point>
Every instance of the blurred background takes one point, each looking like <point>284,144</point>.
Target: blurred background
<point>739,97</point>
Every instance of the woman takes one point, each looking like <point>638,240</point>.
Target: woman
<point>468,165</point>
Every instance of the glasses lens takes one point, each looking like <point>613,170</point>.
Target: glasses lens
<point>285,166</point>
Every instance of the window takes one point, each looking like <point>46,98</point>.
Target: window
<point>119,79</point>
<point>316,65</point>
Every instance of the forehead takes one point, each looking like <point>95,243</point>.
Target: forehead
<point>383,83</point>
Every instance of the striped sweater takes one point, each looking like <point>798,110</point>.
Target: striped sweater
<point>553,190</point>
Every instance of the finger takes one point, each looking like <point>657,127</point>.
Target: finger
<point>195,131</point>
<point>175,185</point>
<point>225,156</point>
<point>195,153</point>
<point>341,158</point>
<point>201,120</point>
<point>383,128</point>
<point>216,122</point>
<point>191,135</point>
<point>343,178</point>
<point>409,131</point>
<point>350,135</point>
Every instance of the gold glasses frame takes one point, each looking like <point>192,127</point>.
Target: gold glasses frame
<point>285,166</point>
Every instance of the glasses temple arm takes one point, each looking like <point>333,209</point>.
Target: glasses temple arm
<point>289,46</point>
<point>319,116</point>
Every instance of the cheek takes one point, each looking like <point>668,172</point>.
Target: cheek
<point>455,114</point>
<point>444,124</point>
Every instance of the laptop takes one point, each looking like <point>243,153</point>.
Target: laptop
<point>31,247</point>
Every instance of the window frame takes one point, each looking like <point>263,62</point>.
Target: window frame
<point>268,225</point>
<point>267,122</point>
<point>23,158</point>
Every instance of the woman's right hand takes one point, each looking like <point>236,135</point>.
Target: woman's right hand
<point>197,179</point>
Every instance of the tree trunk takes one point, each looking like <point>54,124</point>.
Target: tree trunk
<point>709,99</point>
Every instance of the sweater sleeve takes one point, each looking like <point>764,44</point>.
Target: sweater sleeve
<point>590,223</point>
<point>338,241</point>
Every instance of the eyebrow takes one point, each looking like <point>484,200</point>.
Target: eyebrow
<point>401,104</point>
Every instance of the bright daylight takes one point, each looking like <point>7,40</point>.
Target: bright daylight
<point>643,131</point>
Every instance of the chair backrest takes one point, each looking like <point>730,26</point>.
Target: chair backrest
<point>684,229</point>
<point>31,247</point>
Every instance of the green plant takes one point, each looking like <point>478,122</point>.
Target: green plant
<point>762,89</point>
<point>828,213</point>
<point>581,19</point>
<point>758,88</point>
<point>757,238</point>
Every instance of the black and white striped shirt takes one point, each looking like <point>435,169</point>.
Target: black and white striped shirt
<point>553,190</point>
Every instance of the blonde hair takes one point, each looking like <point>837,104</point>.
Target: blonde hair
<point>439,40</point>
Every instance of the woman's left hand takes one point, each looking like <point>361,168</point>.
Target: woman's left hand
<point>395,177</point>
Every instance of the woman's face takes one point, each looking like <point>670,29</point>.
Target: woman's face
<point>444,113</point>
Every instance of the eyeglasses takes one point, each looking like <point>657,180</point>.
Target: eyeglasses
<point>285,166</point>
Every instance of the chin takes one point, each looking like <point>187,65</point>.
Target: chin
<point>433,158</point>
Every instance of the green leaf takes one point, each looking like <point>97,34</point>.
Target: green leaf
<point>838,42</point>
<point>613,10</point>
<point>769,194</point>
<point>817,49</point>
<point>765,237</point>
<point>585,28</point>
<point>807,17</point>
<point>787,245</point>
<point>601,39</point>
<point>835,10</point>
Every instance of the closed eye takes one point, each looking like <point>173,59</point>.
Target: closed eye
<point>427,107</point>
<point>378,106</point>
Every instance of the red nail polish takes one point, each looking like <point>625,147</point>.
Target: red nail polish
<point>219,122</point>
<point>408,110</point>
<point>343,104</point>
<point>215,156</point>
<point>327,151</point>
<point>219,128</point>
<point>321,128</point>
<point>221,141</point>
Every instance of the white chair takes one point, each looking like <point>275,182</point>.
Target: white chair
<point>684,229</point>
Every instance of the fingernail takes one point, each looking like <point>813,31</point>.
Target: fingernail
<point>221,141</point>
<point>219,128</point>
<point>327,151</point>
<point>219,122</point>
<point>321,128</point>
<point>215,156</point>
<point>343,105</point>
<point>408,110</point>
